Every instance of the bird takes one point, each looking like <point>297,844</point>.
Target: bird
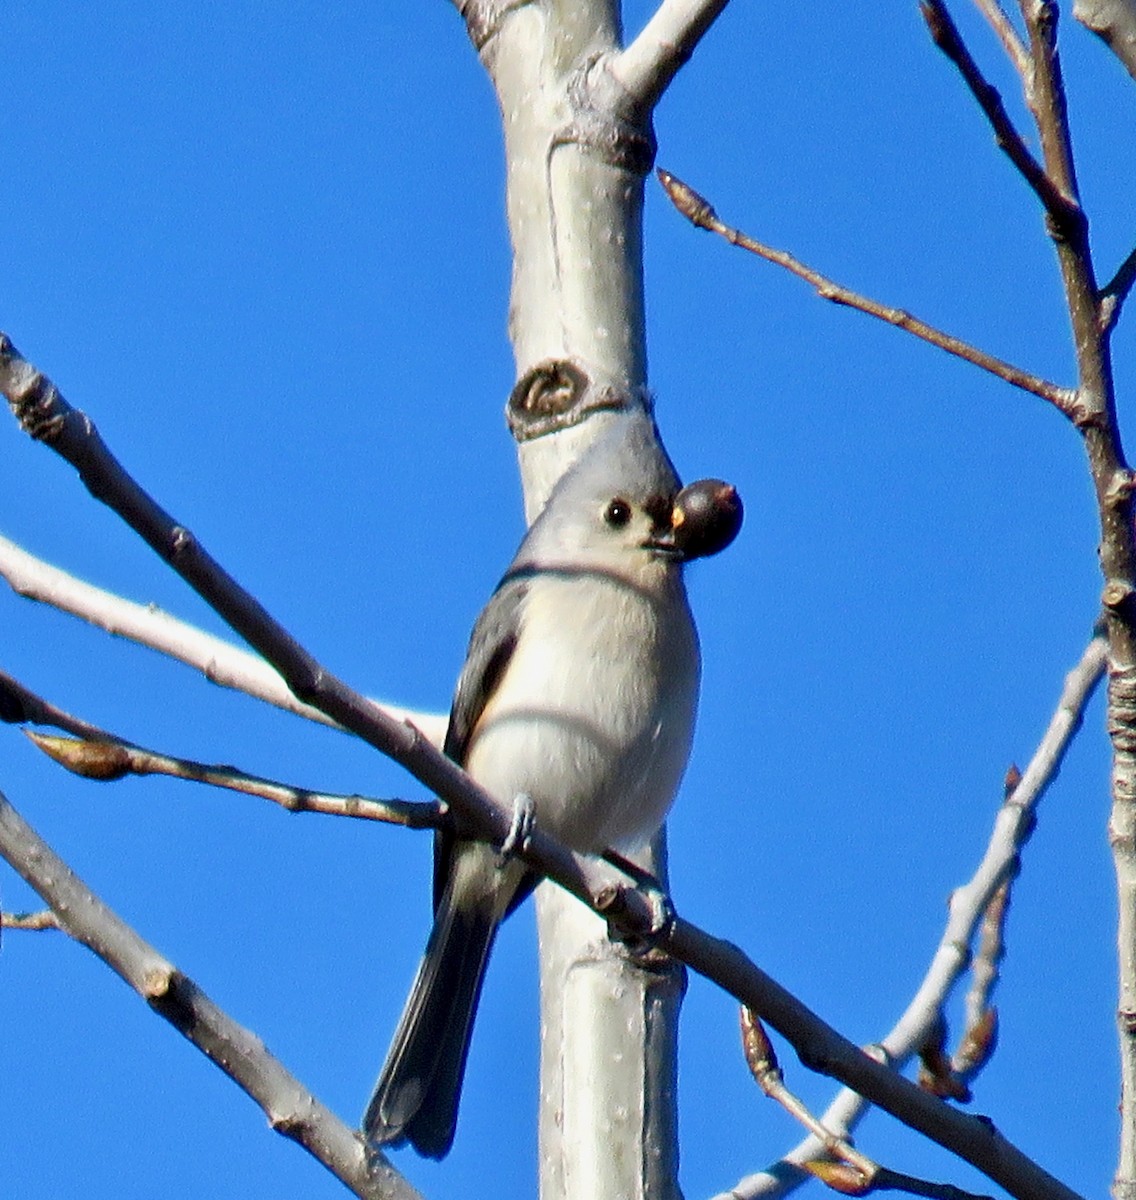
<point>577,699</point>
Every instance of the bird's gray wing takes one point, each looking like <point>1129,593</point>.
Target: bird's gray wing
<point>491,646</point>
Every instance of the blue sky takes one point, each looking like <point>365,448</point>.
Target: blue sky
<point>268,256</point>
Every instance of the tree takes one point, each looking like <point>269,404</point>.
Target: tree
<point>823,505</point>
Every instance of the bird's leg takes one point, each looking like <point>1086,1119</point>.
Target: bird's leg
<point>643,879</point>
<point>662,911</point>
<point>520,831</point>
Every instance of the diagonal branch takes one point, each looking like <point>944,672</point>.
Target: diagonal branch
<point>700,212</point>
<point>647,66</point>
<point>969,906</point>
<point>107,760</point>
<point>844,1169</point>
<point>1061,206</point>
<point>766,1070</point>
<point>45,415</point>
<point>1015,48</point>
<point>1115,292</point>
<point>95,753</point>
<point>31,921</point>
<point>291,1109</point>
<point>145,624</point>
<point>20,705</point>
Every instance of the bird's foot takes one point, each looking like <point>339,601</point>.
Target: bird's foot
<point>645,943</point>
<point>520,831</point>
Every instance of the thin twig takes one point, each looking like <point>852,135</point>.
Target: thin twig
<point>31,921</point>
<point>20,705</point>
<point>1061,205</point>
<point>701,213</point>
<point>968,906</point>
<point>1045,95</point>
<point>887,1180</point>
<point>291,1109</point>
<point>45,415</point>
<point>846,1169</point>
<point>147,625</point>
<point>109,760</point>
<point>973,1138</point>
<point>981,1018</point>
<point>1115,292</point>
<point>652,60</point>
<point>763,1065</point>
<point>1015,48</point>
<point>936,1071</point>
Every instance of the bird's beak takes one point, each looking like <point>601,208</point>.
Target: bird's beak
<point>664,544</point>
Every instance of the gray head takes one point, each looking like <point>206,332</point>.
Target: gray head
<point>612,510</point>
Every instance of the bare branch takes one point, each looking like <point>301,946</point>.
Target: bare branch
<point>895,1181</point>
<point>762,1062</point>
<point>845,1169</point>
<point>1061,206</point>
<point>646,67</point>
<point>1045,95</point>
<point>45,415</point>
<point>101,755</point>
<point>1115,486</point>
<point>1015,49</point>
<point>1115,292</point>
<point>291,1109</point>
<point>34,921</point>
<point>973,1138</point>
<point>219,661</point>
<point>981,1019</point>
<point>969,905</point>
<point>1114,21</point>
<point>20,705</point>
<point>700,212</point>
<point>107,760</point>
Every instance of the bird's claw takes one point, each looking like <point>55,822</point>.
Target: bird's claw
<point>520,830</point>
<point>662,921</point>
<point>647,942</point>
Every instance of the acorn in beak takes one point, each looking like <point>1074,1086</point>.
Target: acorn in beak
<point>706,518</point>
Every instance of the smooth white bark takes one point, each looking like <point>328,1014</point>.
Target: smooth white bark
<point>578,145</point>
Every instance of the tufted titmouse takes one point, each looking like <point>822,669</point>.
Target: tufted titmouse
<point>578,694</point>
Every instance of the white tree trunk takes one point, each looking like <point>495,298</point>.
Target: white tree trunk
<point>578,144</point>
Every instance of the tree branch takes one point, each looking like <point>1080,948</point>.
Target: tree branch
<point>32,921</point>
<point>95,753</point>
<point>1015,49</point>
<point>45,415</point>
<point>19,705</point>
<point>1091,316</point>
<point>766,1070</point>
<point>106,761</point>
<point>647,66</point>
<point>145,624</point>
<point>1060,204</point>
<point>1115,292</point>
<point>969,905</point>
<point>291,1109</point>
<point>700,212</point>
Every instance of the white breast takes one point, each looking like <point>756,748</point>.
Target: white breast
<point>595,713</point>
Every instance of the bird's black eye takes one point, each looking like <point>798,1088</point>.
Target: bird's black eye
<point>617,513</point>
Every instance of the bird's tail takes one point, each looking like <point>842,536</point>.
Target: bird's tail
<point>416,1098</point>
